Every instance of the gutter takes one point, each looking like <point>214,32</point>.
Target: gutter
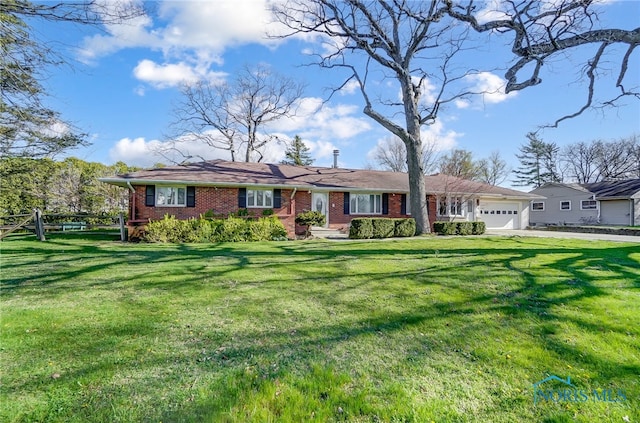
<point>127,183</point>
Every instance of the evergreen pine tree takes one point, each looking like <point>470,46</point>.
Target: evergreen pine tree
<point>538,163</point>
<point>297,153</point>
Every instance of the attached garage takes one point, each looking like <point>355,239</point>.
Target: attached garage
<point>615,212</point>
<point>500,215</point>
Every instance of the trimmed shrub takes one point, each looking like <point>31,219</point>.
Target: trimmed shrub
<point>383,227</point>
<point>361,228</point>
<point>404,227</point>
<point>445,228</point>
<point>231,229</point>
<point>478,228</point>
<point>310,218</point>
<point>459,228</point>
<point>266,229</point>
<point>164,230</point>
<point>464,228</point>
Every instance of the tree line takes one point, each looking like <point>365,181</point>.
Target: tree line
<point>390,154</point>
<point>582,162</point>
<point>70,186</point>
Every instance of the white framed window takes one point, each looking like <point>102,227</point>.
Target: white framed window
<point>171,196</point>
<point>451,206</point>
<point>588,205</point>
<point>565,205</point>
<point>259,198</point>
<point>408,205</point>
<point>537,206</point>
<point>365,203</point>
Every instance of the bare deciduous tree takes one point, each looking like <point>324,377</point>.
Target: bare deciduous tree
<point>416,45</point>
<point>493,170</point>
<point>614,160</point>
<point>541,30</point>
<point>391,154</point>
<point>234,116</point>
<point>459,163</point>
<point>580,162</point>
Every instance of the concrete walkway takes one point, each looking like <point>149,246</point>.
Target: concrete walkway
<point>570,235</point>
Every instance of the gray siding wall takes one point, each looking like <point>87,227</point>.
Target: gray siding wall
<point>552,215</point>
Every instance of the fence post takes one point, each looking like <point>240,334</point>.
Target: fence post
<point>123,233</point>
<point>39,225</point>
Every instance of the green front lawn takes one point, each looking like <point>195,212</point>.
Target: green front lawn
<point>417,330</point>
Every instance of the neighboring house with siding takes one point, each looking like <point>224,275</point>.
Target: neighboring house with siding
<point>340,194</point>
<point>605,203</point>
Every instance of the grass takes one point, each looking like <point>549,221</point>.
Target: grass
<point>420,330</point>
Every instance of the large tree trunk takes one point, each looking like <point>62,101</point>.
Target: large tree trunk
<point>413,142</point>
<point>417,187</point>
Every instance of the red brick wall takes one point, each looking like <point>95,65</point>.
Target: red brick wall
<point>225,200</point>
<point>302,201</point>
<point>221,201</point>
<point>338,220</point>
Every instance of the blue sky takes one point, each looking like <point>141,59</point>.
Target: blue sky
<point>124,80</point>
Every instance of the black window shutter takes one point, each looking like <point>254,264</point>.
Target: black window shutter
<point>347,205</point>
<point>277,198</point>
<point>191,196</point>
<point>385,203</point>
<point>242,198</point>
<point>150,196</point>
<point>403,204</point>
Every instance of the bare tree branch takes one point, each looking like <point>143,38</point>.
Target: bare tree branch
<point>235,116</point>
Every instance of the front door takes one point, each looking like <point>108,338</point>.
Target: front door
<point>319,202</point>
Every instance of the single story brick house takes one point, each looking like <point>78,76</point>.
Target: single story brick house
<point>225,187</point>
<point>604,203</point>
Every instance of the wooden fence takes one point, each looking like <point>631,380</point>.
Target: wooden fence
<point>39,223</point>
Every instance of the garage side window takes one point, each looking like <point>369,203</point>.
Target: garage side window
<point>537,206</point>
<point>565,205</point>
<point>588,205</point>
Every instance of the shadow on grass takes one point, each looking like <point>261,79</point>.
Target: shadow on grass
<point>259,363</point>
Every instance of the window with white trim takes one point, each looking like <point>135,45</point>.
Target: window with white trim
<point>172,196</point>
<point>450,206</point>
<point>565,205</point>
<point>588,205</point>
<point>365,203</point>
<point>537,206</point>
<point>259,198</point>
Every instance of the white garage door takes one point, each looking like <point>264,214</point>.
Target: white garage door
<point>500,215</point>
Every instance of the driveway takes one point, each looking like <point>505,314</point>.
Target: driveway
<point>553,234</point>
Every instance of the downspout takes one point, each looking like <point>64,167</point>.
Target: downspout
<point>292,201</point>
<point>133,202</point>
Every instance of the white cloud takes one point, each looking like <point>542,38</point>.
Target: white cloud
<point>199,30</point>
<point>171,75</point>
<point>442,139</point>
<point>350,87</point>
<point>489,86</point>
<point>143,153</point>
<point>316,121</point>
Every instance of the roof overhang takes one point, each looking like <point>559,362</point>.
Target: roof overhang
<point>125,182</point>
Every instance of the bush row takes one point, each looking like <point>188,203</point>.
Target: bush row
<point>231,229</point>
<point>380,227</point>
<point>459,228</point>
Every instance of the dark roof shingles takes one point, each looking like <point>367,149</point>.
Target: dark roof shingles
<point>242,173</point>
